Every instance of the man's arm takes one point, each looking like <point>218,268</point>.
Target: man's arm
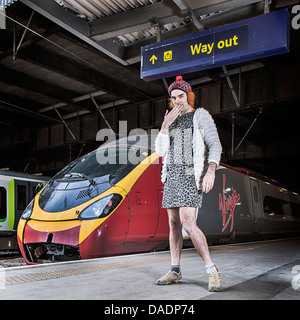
<point>212,140</point>
<point>162,141</point>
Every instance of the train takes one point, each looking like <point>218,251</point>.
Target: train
<point>16,191</point>
<point>108,203</point>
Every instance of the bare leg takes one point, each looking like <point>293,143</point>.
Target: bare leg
<point>186,217</point>
<point>175,236</point>
<point>188,221</point>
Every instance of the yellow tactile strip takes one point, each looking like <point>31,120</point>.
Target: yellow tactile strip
<point>110,266</point>
<point>83,270</point>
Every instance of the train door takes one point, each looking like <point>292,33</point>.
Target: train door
<point>32,190</point>
<point>7,239</point>
<point>256,205</point>
<point>22,198</point>
<point>143,216</point>
<point>162,230</point>
<point>3,204</point>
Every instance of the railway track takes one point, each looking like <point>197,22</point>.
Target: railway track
<point>11,259</point>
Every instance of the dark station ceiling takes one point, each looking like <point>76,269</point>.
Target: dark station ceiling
<point>69,68</point>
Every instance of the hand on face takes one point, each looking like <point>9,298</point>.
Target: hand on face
<point>171,116</point>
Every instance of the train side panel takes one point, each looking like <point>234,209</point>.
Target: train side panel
<point>281,210</point>
<point>226,210</point>
<point>7,214</point>
<point>148,224</point>
<point>108,238</point>
<point>16,191</point>
<point>4,204</point>
<point>15,194</point>
<point>138,225</point>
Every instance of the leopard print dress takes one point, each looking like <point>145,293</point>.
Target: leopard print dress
<point>180,188</point>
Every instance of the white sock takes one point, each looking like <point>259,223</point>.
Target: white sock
<point>211,270</point>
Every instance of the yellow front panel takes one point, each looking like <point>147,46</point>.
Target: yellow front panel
<point>21,226</point>
<point>53,226</point>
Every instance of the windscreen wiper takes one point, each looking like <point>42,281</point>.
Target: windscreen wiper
<point>80,175</point>
<point>112,175</point>
<point>61,173</point>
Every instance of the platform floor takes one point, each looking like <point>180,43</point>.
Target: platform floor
<point>258,270</point>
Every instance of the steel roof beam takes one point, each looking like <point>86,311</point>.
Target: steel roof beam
<point>166,12</point>
<point>134,20</point>
<point>77,71</point>
<point>60,16</point>
<point>185,7</point>
<point>32,84</point>
<point>70,22</point>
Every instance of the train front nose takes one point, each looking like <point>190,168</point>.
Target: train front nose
<point>81,236</point>
<point>49,228</point>
<point>42,242</point>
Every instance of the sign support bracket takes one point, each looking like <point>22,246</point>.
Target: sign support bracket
<point>259,113</point>
<point>237,102</point>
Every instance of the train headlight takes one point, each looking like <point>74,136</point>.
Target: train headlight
<point>101,208</point>
<point>28,211</point>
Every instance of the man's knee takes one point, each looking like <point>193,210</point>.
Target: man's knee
<point>174,220</point>
<point>174,223</point>
<point>188,228</point>
<point>188,221</point>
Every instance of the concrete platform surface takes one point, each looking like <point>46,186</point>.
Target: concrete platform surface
<point>257,270</point>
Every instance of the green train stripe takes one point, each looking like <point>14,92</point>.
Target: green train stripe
<point>11,204</point>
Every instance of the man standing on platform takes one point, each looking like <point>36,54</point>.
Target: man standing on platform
<point>189,142</point>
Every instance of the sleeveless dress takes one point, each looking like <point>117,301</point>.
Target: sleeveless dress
<point>180,188</point>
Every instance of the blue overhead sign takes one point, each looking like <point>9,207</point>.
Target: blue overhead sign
<point>254,38</point>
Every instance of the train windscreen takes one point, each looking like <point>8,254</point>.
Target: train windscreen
<point>105,161</point>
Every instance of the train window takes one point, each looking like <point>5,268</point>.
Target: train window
<point>296,209</point>
<point>3,202</point>
<point>21,191</point>
<point>255,194</point>
<point>286,208</point>
<point>100,163</point>
<point>274,206</point>
<point>105,161</point>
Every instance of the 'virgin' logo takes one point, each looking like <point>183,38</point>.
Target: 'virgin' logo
<point>228,204</point>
